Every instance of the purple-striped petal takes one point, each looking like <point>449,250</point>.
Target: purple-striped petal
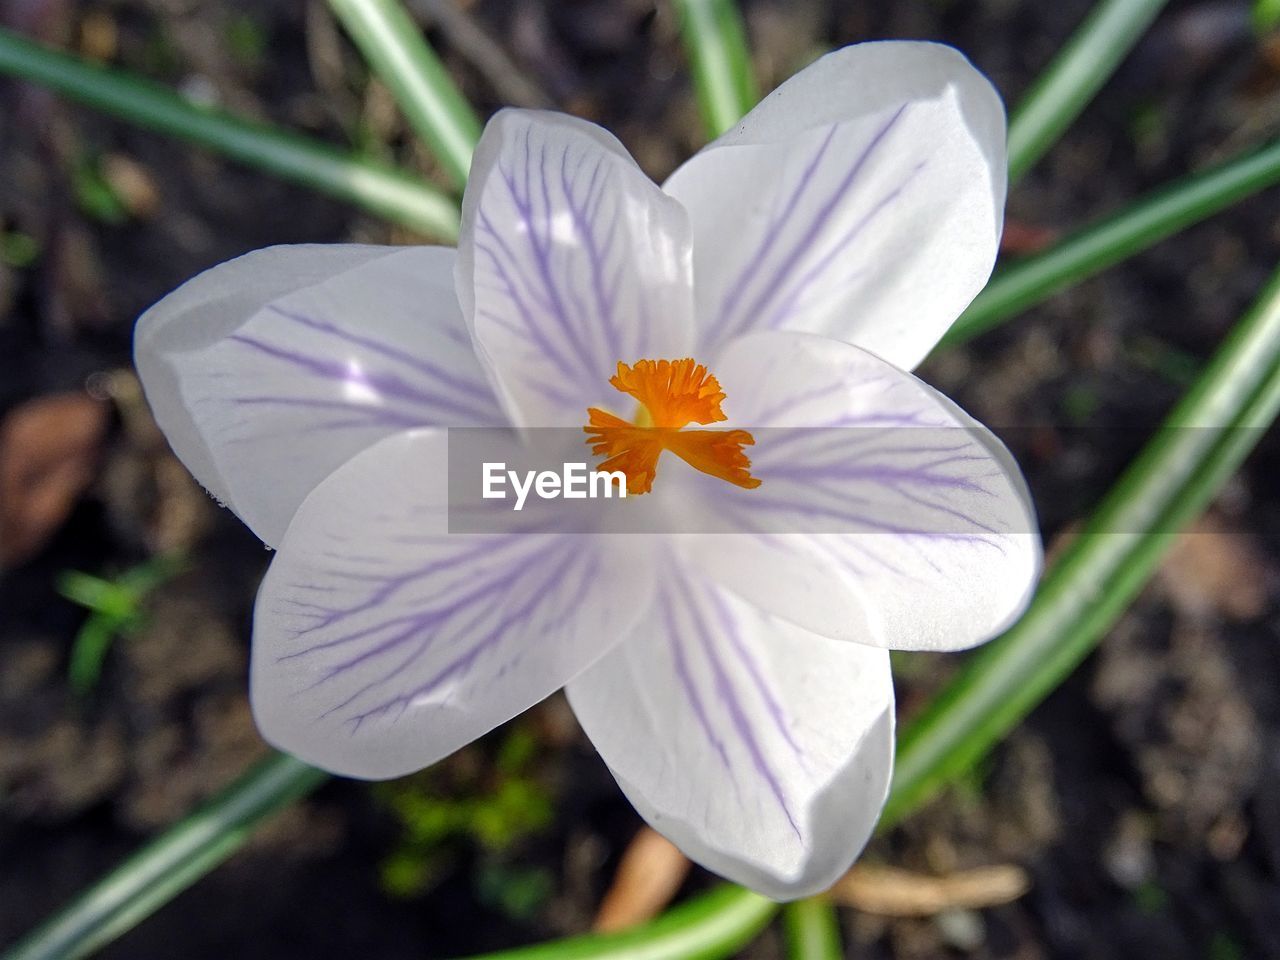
<point>269,371</point>
<point>885,514</point>
<point>382,643</point>
<point>762,750</point>
<point>570,260</point>
<point>863,199</point>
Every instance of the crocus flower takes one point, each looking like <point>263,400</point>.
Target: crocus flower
<point>736,343</point>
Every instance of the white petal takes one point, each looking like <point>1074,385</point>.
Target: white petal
<point>269,371</point>
<point>885,514</point>
<point>762,750</point>
<point>862,199</point>
<point>382,643</point>
<point>570,260</point>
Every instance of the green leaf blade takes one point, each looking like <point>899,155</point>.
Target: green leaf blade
<point>1202,443</point>
<point>813,930</point>
<point>1076,74</point>
<point>434,106</point>
<point>715,41</point>
<point>389,193</point>
<point>1125,234</point>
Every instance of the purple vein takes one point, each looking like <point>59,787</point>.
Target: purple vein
<point>379,415</point>
<point>605,302</point>
<point>538,595</point>
<point>387,384</point>
<point>777,222</point>
<point>426,641</point>
<point>470,388</point>
<point>530,287</point>
<point>748,660</point>
<point>539,246</point>
<point>685,676</point>
<point>728,695</point>
<point>785,309</point>
<point>532,329</point>
<point>825,211</point>
<point>389,587</point>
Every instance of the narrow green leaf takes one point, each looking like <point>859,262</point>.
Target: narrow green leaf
<point>85,589</point>
<point>1266,15</point>
<point>18,249</point>
<point>169,864</point>
<point>709,927</point>
<point>813,930</point>
<point>115,611</point>
<point>716,41</point>
<point>1122,235</point>
<point>1076,74</point>
<point>95,196</point>
<point>89,652</point>
<point>378,189</point>
<point>1203,441</point>
<point>436,109</point>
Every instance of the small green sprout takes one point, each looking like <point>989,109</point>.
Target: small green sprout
<point>1223,946</point>
<point>1151,898</point>
<point>95,196</point>
<point>246,40</point>
<point>1266,16</point>
<point>115,610</point>
<point>18,249</point>
<point>518,891</point>
<point>492,805</point>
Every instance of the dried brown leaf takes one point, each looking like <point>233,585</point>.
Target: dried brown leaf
<point>1214,568</point>
<point>133,184</point>
<point>1021,238</point>
<point>649,876</point>
<point>99,36</point>
<point>893,892</point>
<point>49,450</point>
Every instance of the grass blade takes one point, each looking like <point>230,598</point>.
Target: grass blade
<point>436,109</point>
<point>813,930</point>
<point>1076,74</point>
<point>378,189</point>
<point>1122,235</point>
<point>709,927</point>
<point>723,79</point>
<point>169,864</point>
<point>1203,441</point>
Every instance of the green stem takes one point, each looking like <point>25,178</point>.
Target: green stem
<point>813,930</point>
<point>716,41</point>
<point>392,43</point>
<point>1132,230</point>
<point>708,927</point>
<point>1076,74</point>
<point>1202,442</point>
<point>378,189</point>
<point>171,863</point>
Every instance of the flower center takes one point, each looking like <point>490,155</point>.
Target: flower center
<point>672,394</point>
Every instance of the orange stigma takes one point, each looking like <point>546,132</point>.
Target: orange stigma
<point>672,394</point>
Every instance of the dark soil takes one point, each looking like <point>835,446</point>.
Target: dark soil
<point>1140,797</point>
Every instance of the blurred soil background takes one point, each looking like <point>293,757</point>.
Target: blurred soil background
<point>1134,815</point>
